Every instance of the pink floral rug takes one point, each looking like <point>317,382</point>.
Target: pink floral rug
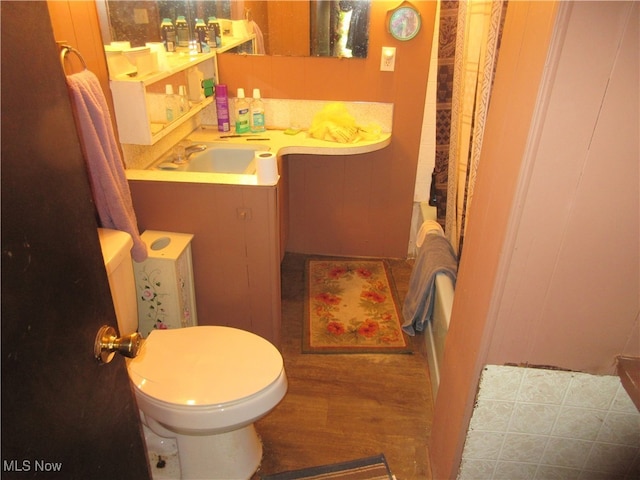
<point>351,308</point>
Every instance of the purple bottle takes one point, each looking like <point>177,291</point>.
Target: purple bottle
<point>222,108</point>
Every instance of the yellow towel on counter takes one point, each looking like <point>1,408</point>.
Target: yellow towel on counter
<point>335,124</point>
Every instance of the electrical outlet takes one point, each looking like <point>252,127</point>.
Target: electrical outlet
<point>388,59</point>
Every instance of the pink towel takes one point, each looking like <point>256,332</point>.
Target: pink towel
<point>111,192</point>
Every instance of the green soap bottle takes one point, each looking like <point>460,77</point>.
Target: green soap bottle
<point>242,113</point>
<point>257,112</point>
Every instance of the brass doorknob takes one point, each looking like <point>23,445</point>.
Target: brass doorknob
<point>107,343</point>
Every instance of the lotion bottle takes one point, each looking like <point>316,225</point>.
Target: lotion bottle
<point>242,113</point>
<point>171,104</point>
<point>257,112</point>
<point>183,99</point>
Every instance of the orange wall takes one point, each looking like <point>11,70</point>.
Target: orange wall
<point>76,23</point>
<point>385,187</point>
<point>291,21</point>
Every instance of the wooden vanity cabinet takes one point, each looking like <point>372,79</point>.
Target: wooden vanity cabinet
<point>236,247</point>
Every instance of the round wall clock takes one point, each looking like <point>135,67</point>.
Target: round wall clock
<point>404,22</point>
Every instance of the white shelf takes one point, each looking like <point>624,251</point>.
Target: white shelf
<point>232,42</point>
<point>159,130</point>
<point>177,63</point>
<point>131,98</point>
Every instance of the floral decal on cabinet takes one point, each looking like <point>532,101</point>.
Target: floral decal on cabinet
<point>164,285</point>
<point>152,298</point>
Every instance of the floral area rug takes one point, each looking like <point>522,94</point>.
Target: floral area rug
<point>351,307</point>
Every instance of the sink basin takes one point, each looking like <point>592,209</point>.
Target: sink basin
<point>224,159</point>
<point>235,159</point>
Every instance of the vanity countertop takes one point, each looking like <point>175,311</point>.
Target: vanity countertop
<point>276,141</point>
<point>281,143</point>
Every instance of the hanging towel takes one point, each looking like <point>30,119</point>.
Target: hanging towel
<point>111,192</point>
<point>435,256</point>
<point>259,38</point>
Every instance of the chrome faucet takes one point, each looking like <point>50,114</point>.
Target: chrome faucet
<point>191,149</point>
<point>182,153</point>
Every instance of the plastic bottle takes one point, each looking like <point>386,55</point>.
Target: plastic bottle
<point>183,100</point>
<point>182,31</point>
<point>202,44</point>
<point>194,81</point>
<point>242,113</point>
<point>168,35</point>
<point>222,108</point>
<point>215,40</point>
<point>257,112</point>
<point>171,104</point>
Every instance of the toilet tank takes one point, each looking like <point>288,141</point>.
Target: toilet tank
<point>116,252</point>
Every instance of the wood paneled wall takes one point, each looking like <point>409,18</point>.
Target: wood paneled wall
<point>360,205</point>
<point>76,23</point>
<point>293,35</point>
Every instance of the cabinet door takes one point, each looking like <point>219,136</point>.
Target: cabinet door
<point>130,104</point>
<point>235,248</point>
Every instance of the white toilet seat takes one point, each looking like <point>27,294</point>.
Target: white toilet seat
<point>218,366</point>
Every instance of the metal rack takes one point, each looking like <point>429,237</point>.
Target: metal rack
<point>65,50</point>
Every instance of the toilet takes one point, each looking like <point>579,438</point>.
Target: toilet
<point>199,388</point>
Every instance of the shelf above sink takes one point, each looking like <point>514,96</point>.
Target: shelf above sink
<point>177,62</point>
<point>134,103</point>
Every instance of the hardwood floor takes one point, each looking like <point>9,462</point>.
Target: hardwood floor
<point>343,407</point>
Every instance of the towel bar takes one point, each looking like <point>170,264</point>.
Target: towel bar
<point>65,49</point>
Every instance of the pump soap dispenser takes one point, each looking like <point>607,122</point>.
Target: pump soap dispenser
<point>242,113</point>
<point>257,112</point>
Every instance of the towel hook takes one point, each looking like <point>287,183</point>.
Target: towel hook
<point>69,49</point>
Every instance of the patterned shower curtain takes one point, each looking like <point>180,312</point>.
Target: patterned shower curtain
<point>469,41</point>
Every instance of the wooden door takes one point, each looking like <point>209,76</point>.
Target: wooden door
<point>63,415</point>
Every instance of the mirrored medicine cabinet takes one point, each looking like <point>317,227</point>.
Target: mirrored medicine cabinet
<point>321,28</point>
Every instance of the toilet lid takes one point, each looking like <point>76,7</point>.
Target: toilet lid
<point>215,365</point>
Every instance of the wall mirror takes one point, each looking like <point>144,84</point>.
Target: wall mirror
<point>321,28</point>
